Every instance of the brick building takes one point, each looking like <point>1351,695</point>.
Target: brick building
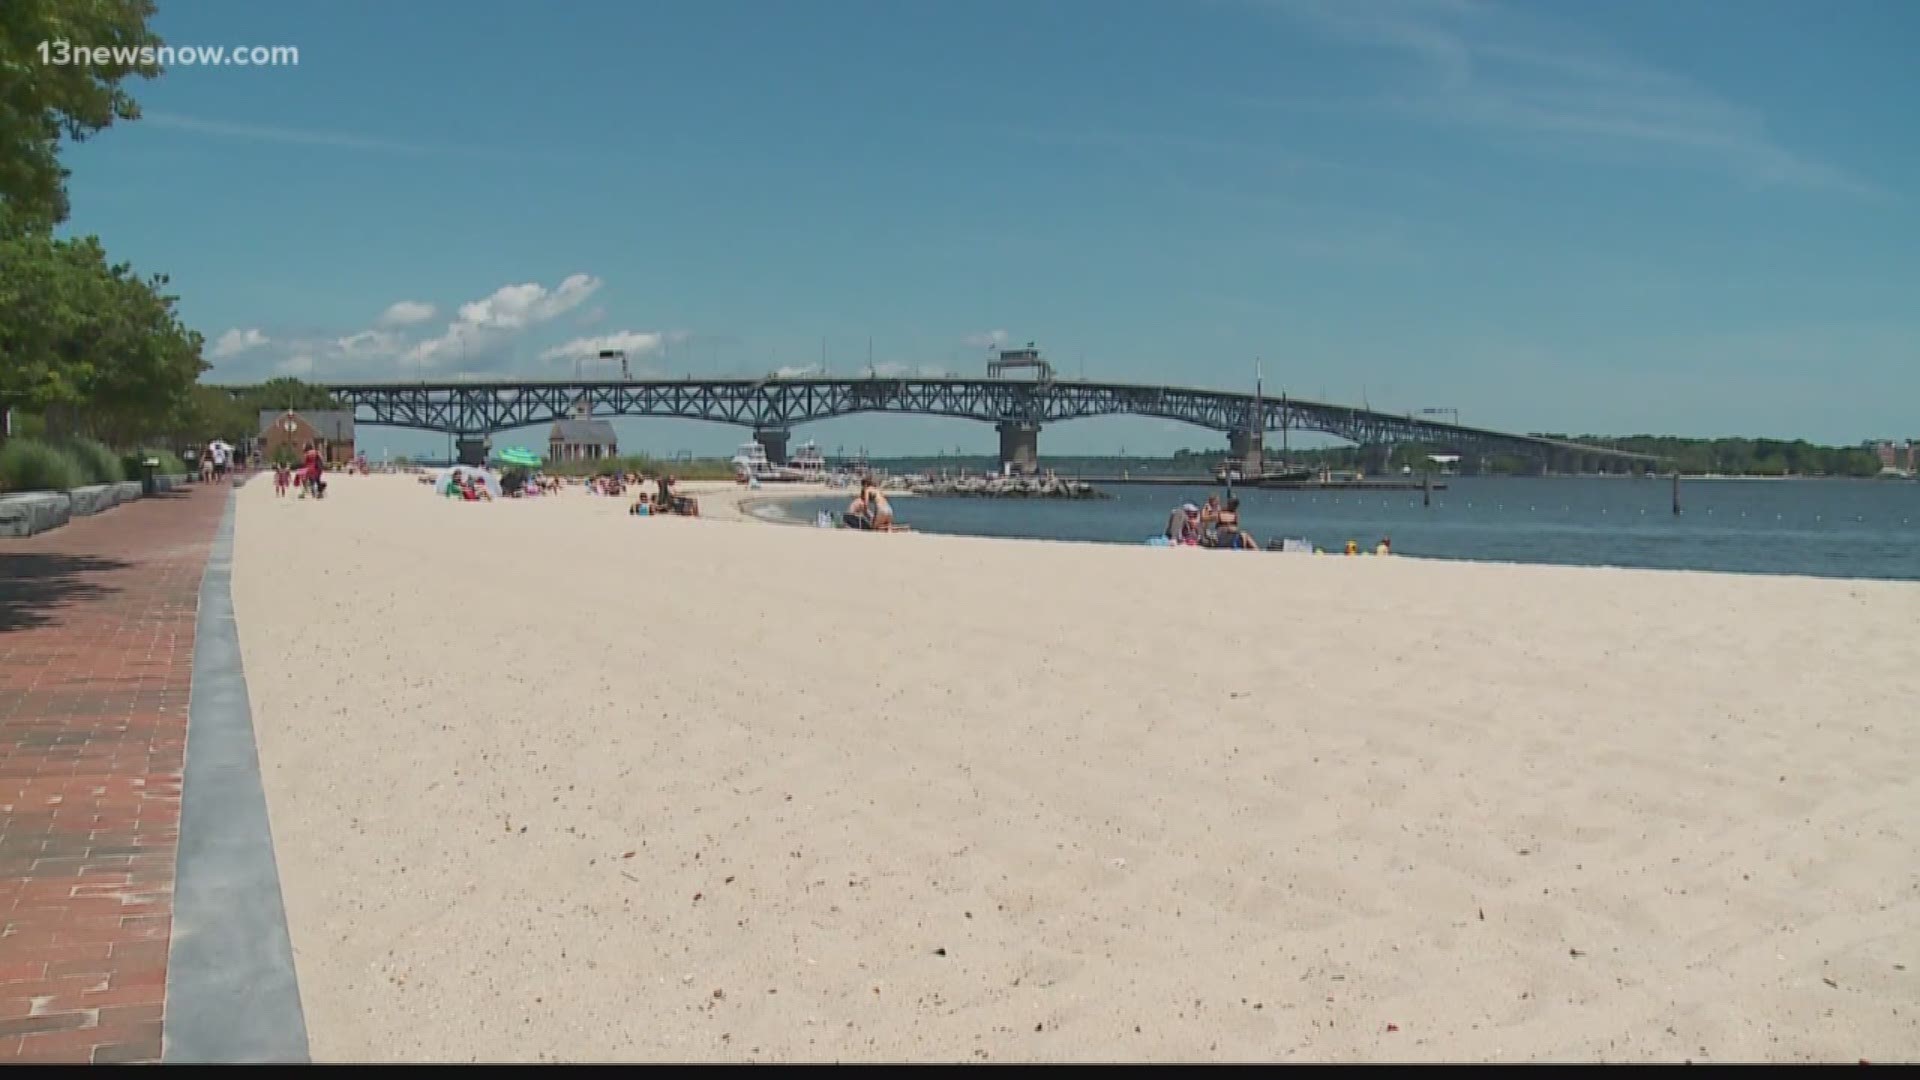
<point>330,431</point>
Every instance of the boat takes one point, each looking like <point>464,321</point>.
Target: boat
<point>1228,472</point>
<point>750,465</point>
<point>809,462</point>
<point>855,466</point>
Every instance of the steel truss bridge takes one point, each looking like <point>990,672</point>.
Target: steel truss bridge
<point>772,406</point>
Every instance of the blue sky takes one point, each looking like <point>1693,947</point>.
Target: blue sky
<point>1620,217</point>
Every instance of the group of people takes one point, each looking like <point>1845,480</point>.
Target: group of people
<point>1210,526</point>
<point>312,475</point>
<point>612,484</point>
<point>529,484</point>
<point>664,501</point>
<point>871,511</point>
<point>216,461</point>
<point>464,487</point>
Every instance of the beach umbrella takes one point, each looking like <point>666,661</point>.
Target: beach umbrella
<point>514,455</point>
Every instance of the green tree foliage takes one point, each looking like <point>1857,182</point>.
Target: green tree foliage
<point>89,346</point>
<point>284,393</point>
<point>234,414</point>
<point>1745,457</point>
<point>42,102</point>
<point>1694,457</point>
<point>93,347</point>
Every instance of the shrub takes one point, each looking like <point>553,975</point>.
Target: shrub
<point>98,465</point>
<point>31,465</point>
<point>169,463</point>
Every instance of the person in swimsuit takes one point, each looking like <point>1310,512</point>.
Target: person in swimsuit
<point>1183,525</point>
<point>859,512</point>
<point>1228,534</point>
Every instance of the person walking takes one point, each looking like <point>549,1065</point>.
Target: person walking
<point>311,468</point>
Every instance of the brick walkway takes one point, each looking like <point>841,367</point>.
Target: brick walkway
<point>96,661</point>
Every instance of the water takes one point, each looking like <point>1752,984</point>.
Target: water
<point>1826,528</point>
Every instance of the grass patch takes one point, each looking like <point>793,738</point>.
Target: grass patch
<point>32,465</point>
<point>98,465</point>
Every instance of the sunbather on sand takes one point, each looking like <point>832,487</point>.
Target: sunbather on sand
<point>881,510</point>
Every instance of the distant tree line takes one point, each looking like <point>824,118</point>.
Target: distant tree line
<point>1745,457</point>
<point>1727,457</point>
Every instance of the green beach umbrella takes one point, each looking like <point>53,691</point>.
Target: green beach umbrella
<point>514,455</point>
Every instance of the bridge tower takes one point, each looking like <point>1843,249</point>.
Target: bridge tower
<point>1247,449</point>
<point>472,451</point>
<point>1246,444</point>
<point>1019,446</point>
<point>774,442</point>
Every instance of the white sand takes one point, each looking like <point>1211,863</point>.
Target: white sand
<point>547,781</point>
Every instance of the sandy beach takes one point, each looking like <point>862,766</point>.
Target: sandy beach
<point>550,782</point>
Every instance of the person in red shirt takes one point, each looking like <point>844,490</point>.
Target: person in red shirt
<point>311,468</point>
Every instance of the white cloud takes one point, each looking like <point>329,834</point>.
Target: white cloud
<point>235,342</point>
<point>368,345</point>
<point>1509,72</point>
<point>294,136</point>
<point>591,317</point>
<point>406,313</point>
<point>484,324</point>
<point>478,340</point>
<point>791,372</point>
<point>986,339</point>
<point>634,343</point>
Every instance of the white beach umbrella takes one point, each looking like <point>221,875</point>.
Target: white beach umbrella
<point>483,477</point>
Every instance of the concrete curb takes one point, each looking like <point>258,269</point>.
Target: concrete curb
<point>232,994</point>
<point>30,513</point>
<point>92,499</point>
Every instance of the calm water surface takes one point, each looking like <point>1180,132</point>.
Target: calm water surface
<point>1828,528</point>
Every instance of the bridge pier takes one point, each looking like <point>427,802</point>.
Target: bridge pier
<point>471,451</point>
<point>1376,459</point>
<point>1247,450</point>
<point>1019,446</point>
<point>774,442</point>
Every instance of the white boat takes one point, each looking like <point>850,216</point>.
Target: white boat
<point>809,462</point>
<point>750,464</point>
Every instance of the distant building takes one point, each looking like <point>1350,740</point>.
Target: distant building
<point>1897,456</point>
<point>286,434</point>
<point>1903,457</point>
<point>581,438</point>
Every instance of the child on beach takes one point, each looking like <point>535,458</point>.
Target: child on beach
<point>282,478</point>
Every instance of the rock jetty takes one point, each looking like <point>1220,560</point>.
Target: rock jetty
<point>1007,487</point>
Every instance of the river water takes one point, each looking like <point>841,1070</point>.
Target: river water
<point>1827,528</point>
